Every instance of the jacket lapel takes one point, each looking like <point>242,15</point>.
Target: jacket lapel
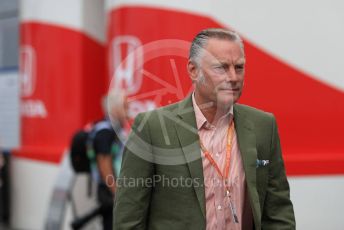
<point>189,141</point>
<point>247,145</point>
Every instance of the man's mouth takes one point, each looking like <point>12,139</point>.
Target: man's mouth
<point>230,89</point>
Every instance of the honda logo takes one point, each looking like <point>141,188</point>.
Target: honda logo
<point>27,71</point>
<point>127,60</point>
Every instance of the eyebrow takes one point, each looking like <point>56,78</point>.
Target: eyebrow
<point>223,63</point>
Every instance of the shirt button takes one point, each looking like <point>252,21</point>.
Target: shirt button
<point>217,154</point>
<point>219,207</point>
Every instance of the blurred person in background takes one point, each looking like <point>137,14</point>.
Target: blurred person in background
<point>206,162</point>
<point>107,136</point>
<point>4,187</point>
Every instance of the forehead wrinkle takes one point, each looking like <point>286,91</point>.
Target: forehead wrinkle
<point>239,61</point>
<point>223,57</point>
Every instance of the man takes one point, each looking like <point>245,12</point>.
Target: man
<point>205,162</point>
<point>107,146</point>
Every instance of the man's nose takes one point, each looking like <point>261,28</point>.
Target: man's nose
<point>231,75</point>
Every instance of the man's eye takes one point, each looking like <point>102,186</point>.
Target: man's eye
<point>239,67</point>
<point>220,69</point>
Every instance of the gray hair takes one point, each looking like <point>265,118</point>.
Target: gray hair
<point>201,39</point>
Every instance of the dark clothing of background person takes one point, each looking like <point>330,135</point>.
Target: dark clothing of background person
<point>106,143</point>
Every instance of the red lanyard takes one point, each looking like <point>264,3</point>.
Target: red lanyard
<point>225,173</point>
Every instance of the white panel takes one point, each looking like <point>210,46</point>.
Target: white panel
<point>94,19</point>
<point>31,188</point>
<point>202,6</point>
<point>307,34</point>
<point>318,202</point>
<point>9,109</point>
<point>83,15</point>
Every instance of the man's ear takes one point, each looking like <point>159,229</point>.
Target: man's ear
<point>192,70</point>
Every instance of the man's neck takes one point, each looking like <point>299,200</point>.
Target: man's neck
<point>210,110</point>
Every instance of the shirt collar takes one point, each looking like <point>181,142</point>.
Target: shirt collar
<point>200,118</point>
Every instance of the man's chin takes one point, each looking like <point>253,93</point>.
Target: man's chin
<point>225,104</point>
<point>228,99</point>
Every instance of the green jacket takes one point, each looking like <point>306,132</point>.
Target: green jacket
<point>161,184</point>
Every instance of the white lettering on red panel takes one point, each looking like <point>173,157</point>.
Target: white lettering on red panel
<point>32,108</point>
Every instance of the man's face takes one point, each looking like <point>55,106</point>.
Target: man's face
<point>219,77</point>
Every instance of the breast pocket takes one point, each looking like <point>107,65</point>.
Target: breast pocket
<point>262,173</point>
